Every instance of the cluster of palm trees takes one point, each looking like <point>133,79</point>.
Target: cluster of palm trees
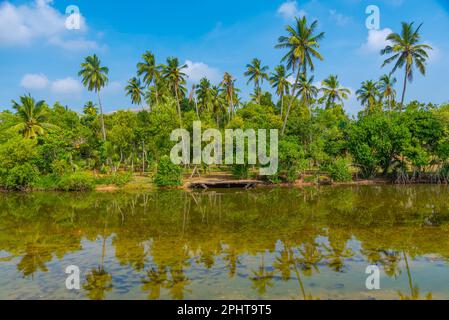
<point>372,94</point>
<point>156,83</point>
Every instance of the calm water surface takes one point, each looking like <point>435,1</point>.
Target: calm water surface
<point>258,244</point>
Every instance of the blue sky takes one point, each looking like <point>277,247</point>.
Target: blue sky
<point>38,55</point>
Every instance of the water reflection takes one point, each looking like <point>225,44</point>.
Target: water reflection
<point>275,243</point>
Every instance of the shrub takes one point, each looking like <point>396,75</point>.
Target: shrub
<point>78,181</point>
<point>240,171</point>
<point>48,182</point>
<point>168,174</point>
<point>20,177</point>
<point>119,179</point>
<point>18,170</point>
<point>339,170</point>
<point>61,167</point>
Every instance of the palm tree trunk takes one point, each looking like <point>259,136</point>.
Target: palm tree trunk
<point>232,103</point>
<point>405,88</point>
<point>157,93</point>
<point>282,106</point>
<point>103,130</point>
<point>291,102</point>
<point>143,157</point>
<point>196,109</point>
<point>178,105</point>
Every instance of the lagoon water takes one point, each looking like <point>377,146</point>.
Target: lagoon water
<point>312,243</point>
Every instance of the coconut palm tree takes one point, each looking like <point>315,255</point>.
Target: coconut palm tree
<point>134,89</point>
<point>406,50</point>
<point>193,98</point>
<point>228,86</point>
<point>149,70</point>
<point>368,94</point>
<point>256,74</point>
<point>94,78</point>
<point>32,117</point>
<point>217,102</point>
<point>256,95</point>
<point>172,73</point>
<point>302,43</point>
<point>204,94</point>
<point>306,89</point>
<point>90,109</point>
<point>333,92</point>
<point>386,88</point>
<point>279,82</point>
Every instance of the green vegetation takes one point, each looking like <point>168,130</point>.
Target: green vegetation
<point>55,148</point>
<point>168,174</point>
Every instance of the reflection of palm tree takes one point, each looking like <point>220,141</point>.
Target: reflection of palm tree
<point>98,281</point>
<point>156,280</point>
<point>262,279</point>
<point>232,259</point>
<point>34,259</point>
<point>336,256</point>
<point>283,263</point>
<point>390,261</point>
<point>178,283</point>
<point>310,258</point>
<point>414,290</point>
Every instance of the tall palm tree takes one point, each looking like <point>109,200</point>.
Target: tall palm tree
<point>90,109</point>
<point>195,101</point>
<point>32,117</point>
<point>172,72</point>
<point>406,51</point>
<point>279,82</point>
<point>228,86</point>
<point>148,69</point>
<point>333,92</point>
<point>95,77</point>
<point>302,43</point>
<point>256,74</point>
<point>368,94</point>
<point>217,102</point>
<point>204,94</point>
<point>386,88</point>
<point>134,89</point>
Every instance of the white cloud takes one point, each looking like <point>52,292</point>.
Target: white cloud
<point>339,18</point>
<point>67,86</point>
<point>34,81</point>
<point>74,45</point>
<point>289,10</point>
<point>198,70</point>
<point>22,24</point>
<point>376,40</point>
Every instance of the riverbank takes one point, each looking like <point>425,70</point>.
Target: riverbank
<point>220,180</point>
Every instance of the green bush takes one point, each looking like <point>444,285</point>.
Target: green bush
<point>168,174</point>
<point>20,177</point>
<point>119,179</point>
<point>48,182</point>
<point>339,170</point>
<point>61,167</point>
<point>78,181</point>
<point>240,171</point>
<point>18,170</point>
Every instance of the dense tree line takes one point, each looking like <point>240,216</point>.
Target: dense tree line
<point>44,146</point>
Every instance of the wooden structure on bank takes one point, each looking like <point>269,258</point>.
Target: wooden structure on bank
<point>224,184</point>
